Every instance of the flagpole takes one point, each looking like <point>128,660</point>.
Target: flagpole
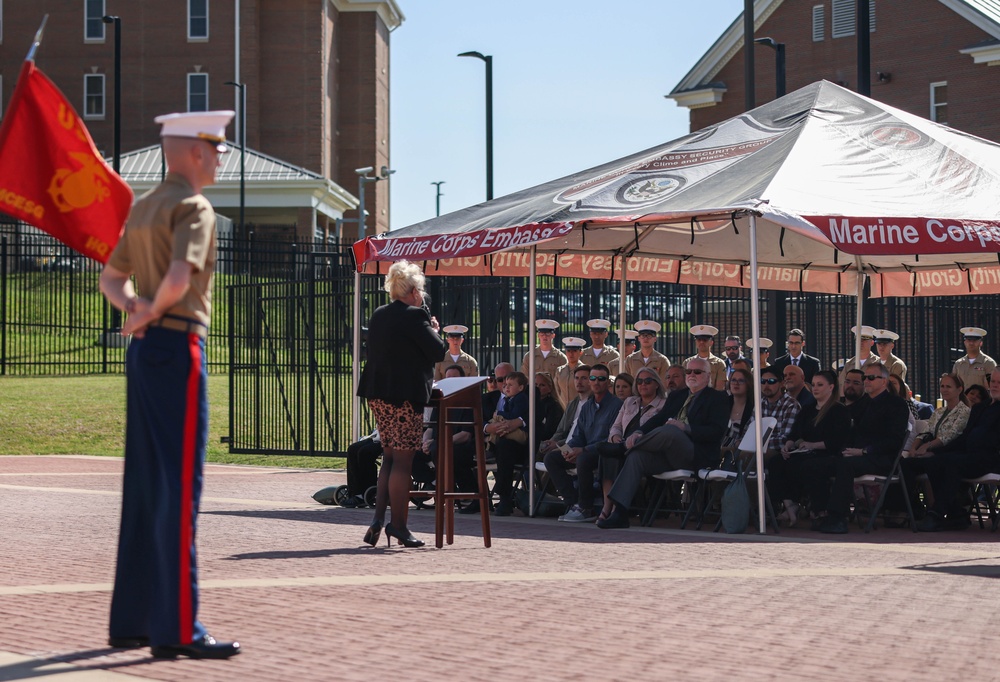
<point>38,40</point>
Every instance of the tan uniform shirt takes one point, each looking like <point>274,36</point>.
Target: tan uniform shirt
<point>565,386</point>
<point>171,222</point>
<point>657,362</point>
<point>718,369</point>
<point>974,372</point>
<point>465,361</point>
<point>605,357</point>
<point>550,364</point>
<point>896,366</point>
<point>849,365</point>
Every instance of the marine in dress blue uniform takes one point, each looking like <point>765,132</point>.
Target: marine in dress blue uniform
<point>169,245</point>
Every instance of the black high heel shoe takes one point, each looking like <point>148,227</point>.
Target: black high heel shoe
<point>401,534</point>
<point>374,533</point>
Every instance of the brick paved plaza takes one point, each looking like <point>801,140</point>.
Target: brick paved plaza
<point>293,582</point>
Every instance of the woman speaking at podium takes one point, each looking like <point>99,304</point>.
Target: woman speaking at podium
<point>403,345</point>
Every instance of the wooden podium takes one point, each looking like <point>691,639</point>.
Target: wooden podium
<point>452,395</point>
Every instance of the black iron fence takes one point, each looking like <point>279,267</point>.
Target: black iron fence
<point>282,327</point>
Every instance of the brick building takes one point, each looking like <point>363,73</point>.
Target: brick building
<point>316,74</point>
<point>933,58</point>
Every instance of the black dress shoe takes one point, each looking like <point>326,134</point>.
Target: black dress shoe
<point>834,525</point>
<point>616,519</point>
<point>471,508</point>
<point>931,523</point>
<point>206,647</point>
<point>504,508</point>
<point>127,642</point>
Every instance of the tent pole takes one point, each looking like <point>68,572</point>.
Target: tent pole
<point>859,308</point>
<point>356,365</point>
<point>755,327</point>
<point>532,287</point>
<point>621,317</point>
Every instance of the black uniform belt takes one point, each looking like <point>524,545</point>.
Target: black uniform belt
<point>181,324</point>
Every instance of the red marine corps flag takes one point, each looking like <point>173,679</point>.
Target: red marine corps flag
<point>51,174</point>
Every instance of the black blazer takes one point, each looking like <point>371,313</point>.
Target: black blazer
<point>402,350</point>
<point>808,363</point>
<point>882,428</point>
<point>708,419</point>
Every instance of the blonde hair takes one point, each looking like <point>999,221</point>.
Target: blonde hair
<point>402,278</point>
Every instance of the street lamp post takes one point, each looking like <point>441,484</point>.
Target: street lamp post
<point>117,21</point>
<point>437,199</point>
<point>243,147</point>
<point>779,63</point>
<point>488,59</point>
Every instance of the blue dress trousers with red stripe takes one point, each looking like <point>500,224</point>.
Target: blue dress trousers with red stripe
<point>156,580</point>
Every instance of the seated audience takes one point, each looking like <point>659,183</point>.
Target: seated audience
<point>741,402</point>
<point>548,411</point>
<point>686,434</point>
<point>507,431</point>
<point>580,451</point>
<point>855,397</point>
<point>947,422</point>
<point>635,411</point>
<point>820,431</point>
<point>899,389</point>
<point>979,454</point>
<point>875,442</point>
<point>624,385</point>
<point>778,404</point>
<point>795,385</point>
<point>977,394</point>
<point>581,379</point>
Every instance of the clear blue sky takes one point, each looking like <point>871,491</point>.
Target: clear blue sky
<point>576,83</point>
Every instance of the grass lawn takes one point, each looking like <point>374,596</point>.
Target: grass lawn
<point>86,416</point>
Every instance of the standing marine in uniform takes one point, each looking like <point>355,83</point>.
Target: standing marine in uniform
<point>704,339</point>
<point>764,356</point>
<point>598,353</point>
<point>564,380</point>
<point>975,366</point>
<point>647,356</point>
<point>630,336</point>
<point>885,342</point>
<point>455,355</point>
<point>547,357</point>
<point>867,341</point>
<point>169,245</point>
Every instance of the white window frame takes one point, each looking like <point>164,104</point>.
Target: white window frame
<point>86,19</point>
<point>89,77</point>
<point>190,77</point>
<point>841,6</point>
<point>194,38</point>
<point>935,104</point>
<point>818,23</point>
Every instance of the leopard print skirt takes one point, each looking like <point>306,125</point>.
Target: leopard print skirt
<point>399,427</point>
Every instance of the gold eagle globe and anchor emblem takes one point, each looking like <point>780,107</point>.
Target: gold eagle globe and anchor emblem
<point>75,189</point>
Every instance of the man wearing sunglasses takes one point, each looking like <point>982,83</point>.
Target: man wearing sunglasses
<point>778,404</point>
<point>874,443</point>
<point>686,434</point>
<point>734,352</point>
<point>580,452</point>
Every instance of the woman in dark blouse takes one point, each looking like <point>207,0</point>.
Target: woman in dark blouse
<point>820,430</point>
<point>548,411</point>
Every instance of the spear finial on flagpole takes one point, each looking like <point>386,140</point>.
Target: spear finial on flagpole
<point>38,40</point>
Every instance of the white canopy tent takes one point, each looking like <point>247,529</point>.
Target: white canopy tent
<point>816,191</point>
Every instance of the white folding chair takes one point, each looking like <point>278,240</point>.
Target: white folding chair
<point>662,487</point>
<point>895,475</point>
<point>747,446</point>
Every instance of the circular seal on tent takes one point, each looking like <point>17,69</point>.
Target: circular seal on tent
<point>648,190</point>
<point>898,136</point>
